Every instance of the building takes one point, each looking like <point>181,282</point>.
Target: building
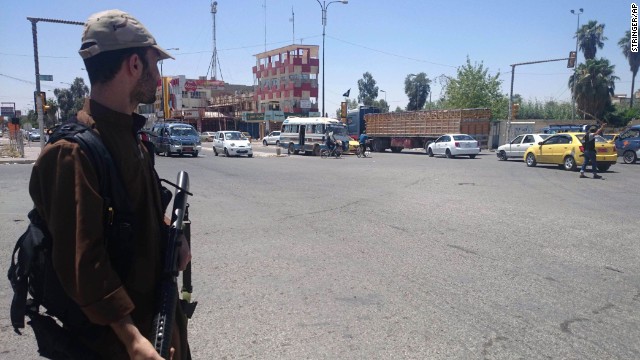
<point>209,105</point>
<point>286,84</point>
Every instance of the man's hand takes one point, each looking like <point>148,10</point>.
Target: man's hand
<point>138,347</point>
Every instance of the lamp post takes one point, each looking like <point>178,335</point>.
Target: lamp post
<point>324,5</point>
<point>164,110</point>
<point>385,98</point>
<point>573,91</point>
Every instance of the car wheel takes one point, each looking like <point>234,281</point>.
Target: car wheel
<point>167,153</point>
<point>250,155</point>
<point>569,163</point>
<point>604,167</point>
<point>629,157</point>
<point>277,142</point>
<point>449,154</point>
<point>430,152</point>
<point>503,155</point>
<point>531,160</point>
<point>195,154</point>
<point>472,156</point>
<point>226,152</point>
<point>264,142</point>
<point>316,150</point>
<point>290,150</point>
<point>215,152</point>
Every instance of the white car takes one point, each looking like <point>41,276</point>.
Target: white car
<point>231,143</point>
<point>272,139</point>
<point>452,145</point>
<point>517,147</point>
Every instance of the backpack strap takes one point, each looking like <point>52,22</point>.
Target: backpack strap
<point>117,207</point>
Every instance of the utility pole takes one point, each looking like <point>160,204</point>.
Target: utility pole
<point>34,32</point>
<point>513,68</point>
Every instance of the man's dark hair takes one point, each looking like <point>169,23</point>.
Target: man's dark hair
<point>103,67</point>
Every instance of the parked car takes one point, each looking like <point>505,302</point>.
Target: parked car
<point>628,144</point>
<point>231,143</point>
<point>247,135</point>
<point>175,138</point>
<point>566,150</point>
<point>207,136</point>
<point>272,139</point>
<point>516,147</point>
<point>452,145</point>
<point>34,135</point>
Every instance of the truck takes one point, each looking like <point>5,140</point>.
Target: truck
<point>416,129</point>
<point>355,119</point>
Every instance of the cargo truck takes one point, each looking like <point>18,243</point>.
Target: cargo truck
<point>416,129</point>
<point>355,119</point>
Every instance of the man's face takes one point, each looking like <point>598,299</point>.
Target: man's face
<point>145,90</point>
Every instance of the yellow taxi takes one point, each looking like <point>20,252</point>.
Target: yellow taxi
<point>566,150</point>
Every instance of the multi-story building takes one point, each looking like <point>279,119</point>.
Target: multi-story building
<point>286,79</point>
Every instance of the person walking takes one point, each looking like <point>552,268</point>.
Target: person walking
<point>590,150</point>
<point>121,58</point>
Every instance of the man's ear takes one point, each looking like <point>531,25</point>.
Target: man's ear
<point>134,64</point>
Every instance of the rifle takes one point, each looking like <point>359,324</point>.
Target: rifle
<point>168,295</point>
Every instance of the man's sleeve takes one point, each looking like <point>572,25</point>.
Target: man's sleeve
<point>66,191</point>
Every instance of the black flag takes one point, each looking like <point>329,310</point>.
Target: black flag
<point>346,94</point>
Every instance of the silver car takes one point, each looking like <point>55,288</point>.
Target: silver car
<point>517,147</point>
<point>272,139</point>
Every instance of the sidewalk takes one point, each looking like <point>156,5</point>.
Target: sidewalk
<point>31,152</point>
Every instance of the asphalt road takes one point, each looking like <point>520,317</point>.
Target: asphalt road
<point>396,256</point>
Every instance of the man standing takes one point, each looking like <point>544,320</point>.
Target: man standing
<point>121,57</point>
<point>590,151</point>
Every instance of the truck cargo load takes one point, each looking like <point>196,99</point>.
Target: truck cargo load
<point>415,129</point>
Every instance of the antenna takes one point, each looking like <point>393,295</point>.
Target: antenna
<point>214,59</point>
<point>265,25</point>
<point>293,20</point>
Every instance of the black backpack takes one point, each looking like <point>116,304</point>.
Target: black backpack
<point>31,269</point>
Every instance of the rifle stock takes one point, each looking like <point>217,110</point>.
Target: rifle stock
<point>168,292</point>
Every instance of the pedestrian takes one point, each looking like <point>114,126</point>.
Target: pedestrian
<point>121,58</point>
<point>589,143</point>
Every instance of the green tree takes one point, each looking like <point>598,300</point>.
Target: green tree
<point>595,84</point>
<point>50,116</point>
<point>474,87</point>
<point>367,89</point>
<point>633,58</point>
<point>71,100</point>
<point>590,39</point>
<point>398,109</point>
<point>382,105</point>
<point>417,87</point>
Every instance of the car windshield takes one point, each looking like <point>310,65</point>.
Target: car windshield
<point>337,129</point>
<point>608,136</point>
<point>233,136</point>
<point>544,136</point>
<point>183,131</point>
<point>462,137</point>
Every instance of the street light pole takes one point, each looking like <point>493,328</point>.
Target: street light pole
<point>324,5</point>
<point>573,91</point>
<point>385,98</point>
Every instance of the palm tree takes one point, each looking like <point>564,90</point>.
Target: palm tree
<point>632,57</point>
<point>591,38</point>
<point>594,87</point>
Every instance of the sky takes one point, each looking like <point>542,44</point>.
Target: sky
<point>389,39</point>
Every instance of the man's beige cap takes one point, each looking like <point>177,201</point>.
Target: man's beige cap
<point>114,30</point>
